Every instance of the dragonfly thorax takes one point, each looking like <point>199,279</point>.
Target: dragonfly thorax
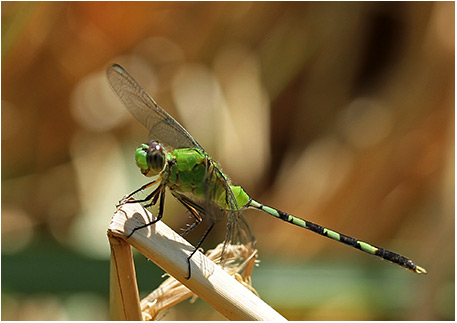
<point>151,158</point>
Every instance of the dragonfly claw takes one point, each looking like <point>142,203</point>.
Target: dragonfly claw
<point>123,200</point>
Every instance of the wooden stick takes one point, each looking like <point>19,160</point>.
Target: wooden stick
<point>169,251</point>
<point>124,298</point>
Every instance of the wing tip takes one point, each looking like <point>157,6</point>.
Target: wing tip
<point>116,67</point>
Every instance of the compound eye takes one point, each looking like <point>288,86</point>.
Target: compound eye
<point>155,157</point>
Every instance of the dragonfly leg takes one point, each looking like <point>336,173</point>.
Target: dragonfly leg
<point>145,186</point>
<point>160,190</point>
<point>151,197</point>
<point>194,210</point>
<point>197,247</point>
<point>190,228</point>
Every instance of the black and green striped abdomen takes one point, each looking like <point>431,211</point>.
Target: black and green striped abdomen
<point>353,242</point>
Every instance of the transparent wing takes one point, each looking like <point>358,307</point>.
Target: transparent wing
<point>238,232</point>
<point>160,124</point>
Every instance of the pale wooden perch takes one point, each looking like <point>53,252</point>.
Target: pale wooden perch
<point>169,251</point>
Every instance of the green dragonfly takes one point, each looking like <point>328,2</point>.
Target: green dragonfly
<point>179,163</point>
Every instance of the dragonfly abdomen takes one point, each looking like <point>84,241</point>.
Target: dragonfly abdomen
<point>350,241</point>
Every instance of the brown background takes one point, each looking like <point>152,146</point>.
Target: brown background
<point>340,113</point>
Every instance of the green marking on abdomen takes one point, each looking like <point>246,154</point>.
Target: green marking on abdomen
<point>255,204</point>
<point>298,221</point>
<point>242,198</point>
<point>367,247</point>
<point>332,234</point>
<point>270,210</point>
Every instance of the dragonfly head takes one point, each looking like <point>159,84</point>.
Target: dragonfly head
<point>151,158</point>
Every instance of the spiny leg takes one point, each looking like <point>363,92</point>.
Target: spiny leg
<point>194,209</point>
<point>161,190</point>
<point>145,186</point>
<point>197,247</point>
<point>353,242</point>
<point>190,228</point>
<point>152,197</point>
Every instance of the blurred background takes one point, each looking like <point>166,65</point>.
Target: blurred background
<point>339,113</point>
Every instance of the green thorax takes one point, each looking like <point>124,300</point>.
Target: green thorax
<point>187,173</point>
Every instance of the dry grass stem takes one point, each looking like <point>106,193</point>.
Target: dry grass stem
<point>209,281</point>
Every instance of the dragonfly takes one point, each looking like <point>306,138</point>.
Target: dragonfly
<point>178,163</point>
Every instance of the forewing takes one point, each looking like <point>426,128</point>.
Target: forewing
<point>160,124</point>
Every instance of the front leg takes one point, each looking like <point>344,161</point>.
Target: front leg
<point>161,190</point>
<point>126,197</point>
<point>151,197</point>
